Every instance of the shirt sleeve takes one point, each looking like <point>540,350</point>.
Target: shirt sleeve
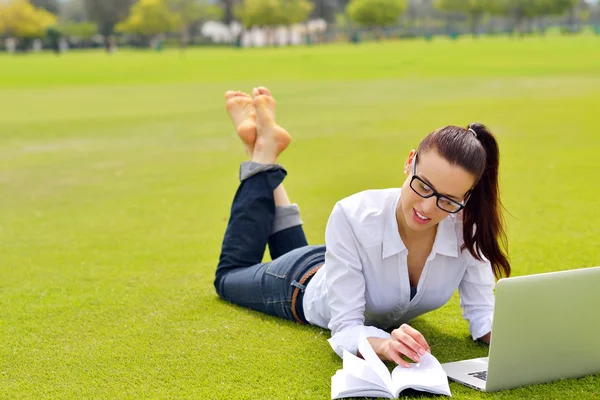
<point>476,292</point>
<point>345,285</point>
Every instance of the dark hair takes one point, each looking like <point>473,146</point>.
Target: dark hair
<point>475,149</point>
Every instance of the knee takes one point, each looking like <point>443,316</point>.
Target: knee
<point>219,285</point>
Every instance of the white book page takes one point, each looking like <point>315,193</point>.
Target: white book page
<point>427,375</point>
<point>346,385</point>
<point>359,368</point>
<point>367,352</point>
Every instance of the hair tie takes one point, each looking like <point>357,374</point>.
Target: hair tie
<point>473,132</point>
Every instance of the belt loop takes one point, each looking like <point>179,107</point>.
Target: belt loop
<point>299,286</point>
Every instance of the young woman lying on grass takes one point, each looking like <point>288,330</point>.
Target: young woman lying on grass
<point>389,255</point>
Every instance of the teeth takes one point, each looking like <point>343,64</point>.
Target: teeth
<point>421,215</point>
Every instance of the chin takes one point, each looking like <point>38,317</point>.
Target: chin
<point>419,227</point>
<point>408,217</point>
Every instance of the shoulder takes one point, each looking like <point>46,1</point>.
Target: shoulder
<point>364,215</point>
<point>368,205</point>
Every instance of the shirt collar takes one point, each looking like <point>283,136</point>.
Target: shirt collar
<point>445,242</point>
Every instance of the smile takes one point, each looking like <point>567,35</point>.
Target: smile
<point>420,218</point>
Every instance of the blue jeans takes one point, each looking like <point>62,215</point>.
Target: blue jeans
<point>241,277</point>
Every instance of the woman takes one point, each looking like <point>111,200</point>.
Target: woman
<point>389,255</point>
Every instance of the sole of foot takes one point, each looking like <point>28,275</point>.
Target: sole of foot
<point>240,107</point>
<point>271,139</point>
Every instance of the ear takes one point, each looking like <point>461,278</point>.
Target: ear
<point>409,161</point>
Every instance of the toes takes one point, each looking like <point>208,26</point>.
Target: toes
<point>263,90</point>
<point>230,94</point>
<point>255,93</point>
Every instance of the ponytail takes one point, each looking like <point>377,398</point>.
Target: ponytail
<point>475,149</point>
<point>483,224</point>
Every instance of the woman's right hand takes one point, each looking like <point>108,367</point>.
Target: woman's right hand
<point>405,341</point>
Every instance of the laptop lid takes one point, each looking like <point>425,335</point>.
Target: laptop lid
<point>546,327</point>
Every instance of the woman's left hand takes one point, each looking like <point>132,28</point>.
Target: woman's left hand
<point>486,338</point>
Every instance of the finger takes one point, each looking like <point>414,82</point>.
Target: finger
<point>404,349</point>
<point>396,350</point>
<point>402,336</point>
<point>417,336</point>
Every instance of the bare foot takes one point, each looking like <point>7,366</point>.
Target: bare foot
<point>241,110</point>
<point>271,139</point>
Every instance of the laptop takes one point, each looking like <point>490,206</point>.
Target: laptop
<point>546,328</point>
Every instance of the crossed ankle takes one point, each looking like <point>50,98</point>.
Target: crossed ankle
<point>286,216</point>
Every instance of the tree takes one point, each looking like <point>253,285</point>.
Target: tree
<point>376,13</point>
<point>556,7</point>
<point>106,14</point>
<point>80,30</point>
<point>475,9</point>
<point>595,15</point>
<point>192,12</point>
<point>73,11</point>
<point>20,19</point>
<point>264,13</point>
<point>295,11</point>
<point>150,18</point>
<point>229,7</point>
<point>327,9</point>
<point>527,10</point>
<point>271,13</point>
<point>48,5</point>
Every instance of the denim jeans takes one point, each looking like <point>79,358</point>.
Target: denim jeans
<point>241,277</point>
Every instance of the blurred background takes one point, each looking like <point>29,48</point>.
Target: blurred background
<point>118,163</point>
<point>32,25</point>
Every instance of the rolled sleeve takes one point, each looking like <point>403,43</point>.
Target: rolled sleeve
<point>348,338</point>
<point>345,285</point>
<point>476,291</point>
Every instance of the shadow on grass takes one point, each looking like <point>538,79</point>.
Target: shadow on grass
<point>445,346</point>
<point>448,347</point>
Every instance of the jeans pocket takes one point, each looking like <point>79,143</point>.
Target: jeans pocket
<point>276,291</point>
<point>274,269</point>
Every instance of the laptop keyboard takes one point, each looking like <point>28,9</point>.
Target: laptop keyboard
<point>481,375</point>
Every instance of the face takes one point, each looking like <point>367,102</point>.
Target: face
<point>449,180</point>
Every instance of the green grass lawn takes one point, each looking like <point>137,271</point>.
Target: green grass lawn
<point>117,173</point>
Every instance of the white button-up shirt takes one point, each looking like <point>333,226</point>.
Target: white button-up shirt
<point>364,287</point>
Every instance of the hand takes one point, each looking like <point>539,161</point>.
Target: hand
<point>486,338</point>
<point>406,341</point>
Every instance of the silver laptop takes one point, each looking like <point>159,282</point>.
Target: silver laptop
<point>546,328</point>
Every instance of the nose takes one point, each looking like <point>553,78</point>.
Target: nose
<point>429,206</point>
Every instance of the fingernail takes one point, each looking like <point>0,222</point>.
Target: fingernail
<point>407,365</point>
<point>416,358</point>
<point>421,351</point>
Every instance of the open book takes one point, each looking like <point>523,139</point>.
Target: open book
<point>369,377</point>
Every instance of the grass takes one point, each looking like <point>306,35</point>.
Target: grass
<point>117,172</point>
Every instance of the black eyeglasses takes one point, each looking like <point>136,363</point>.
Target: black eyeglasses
<point>423,189</point>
